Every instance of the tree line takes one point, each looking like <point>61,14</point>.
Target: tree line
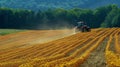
<point>107,16</point>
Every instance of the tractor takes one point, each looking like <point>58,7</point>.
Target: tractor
<point>82,27</point>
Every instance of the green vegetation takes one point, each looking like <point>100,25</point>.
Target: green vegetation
<point>8,31</point>
<point>107,16</point>
<point>52,4</point>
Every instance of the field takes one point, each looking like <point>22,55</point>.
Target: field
<point>9,31</point>
<point>61,48</point>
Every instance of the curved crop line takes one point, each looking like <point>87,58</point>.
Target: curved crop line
<point>112,59</point>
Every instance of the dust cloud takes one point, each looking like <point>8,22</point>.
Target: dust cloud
<point>54,36</point>
<point>64,28</point>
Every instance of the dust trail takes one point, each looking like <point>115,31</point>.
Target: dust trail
<point>63,33</point>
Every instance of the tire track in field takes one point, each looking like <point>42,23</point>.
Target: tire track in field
<point>96,58</point>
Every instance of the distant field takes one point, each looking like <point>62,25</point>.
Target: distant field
<point>9,31</point>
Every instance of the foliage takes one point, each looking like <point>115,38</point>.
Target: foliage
<point>52,4</point>
<point>111,19</point>
<point>107,16</point>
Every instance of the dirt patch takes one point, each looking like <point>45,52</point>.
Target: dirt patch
<point>112,45</point>
<point>97,57</point>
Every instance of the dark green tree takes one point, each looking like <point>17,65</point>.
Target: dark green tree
<point>109,18</point>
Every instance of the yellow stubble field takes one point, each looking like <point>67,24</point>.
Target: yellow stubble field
<point>61,48</point>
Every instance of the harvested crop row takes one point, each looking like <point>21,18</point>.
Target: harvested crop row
<point>69,51</point>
